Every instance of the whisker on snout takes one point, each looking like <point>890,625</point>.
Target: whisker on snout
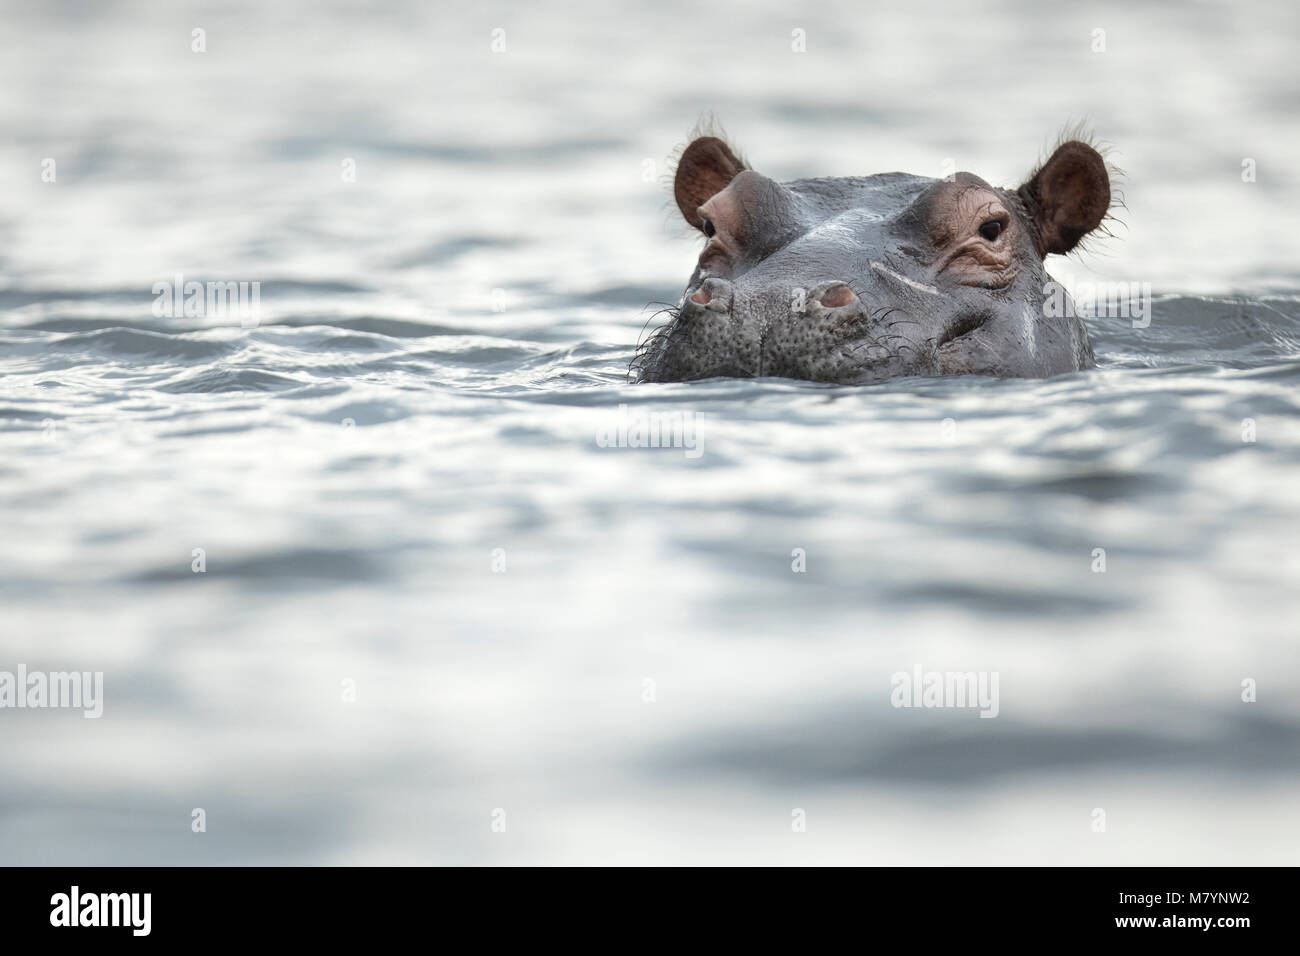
<point>650,346</point>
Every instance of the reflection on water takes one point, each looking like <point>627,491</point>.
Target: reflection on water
<point>428,592</point>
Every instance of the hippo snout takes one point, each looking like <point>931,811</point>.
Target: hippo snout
<point>711,335</point>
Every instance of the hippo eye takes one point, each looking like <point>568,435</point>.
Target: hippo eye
<point>709,230</point>
<point>991,230</point>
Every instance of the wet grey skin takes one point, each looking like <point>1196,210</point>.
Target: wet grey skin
<point>863,279</point>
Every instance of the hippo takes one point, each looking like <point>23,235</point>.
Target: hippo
<point>862,279</point>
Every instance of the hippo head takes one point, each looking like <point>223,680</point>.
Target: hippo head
<point>862,279</point>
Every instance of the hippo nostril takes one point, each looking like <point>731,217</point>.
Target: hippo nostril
<point>714,295</point>
<point>963,325</point>
<point>838,296</point>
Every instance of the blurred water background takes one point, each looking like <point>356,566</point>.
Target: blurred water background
<point>456,248</point>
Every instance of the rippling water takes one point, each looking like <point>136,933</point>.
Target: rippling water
<point>433,599</point>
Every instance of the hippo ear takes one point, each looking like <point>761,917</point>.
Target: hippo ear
<point>706,167</point>
<point>1067,198</point>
